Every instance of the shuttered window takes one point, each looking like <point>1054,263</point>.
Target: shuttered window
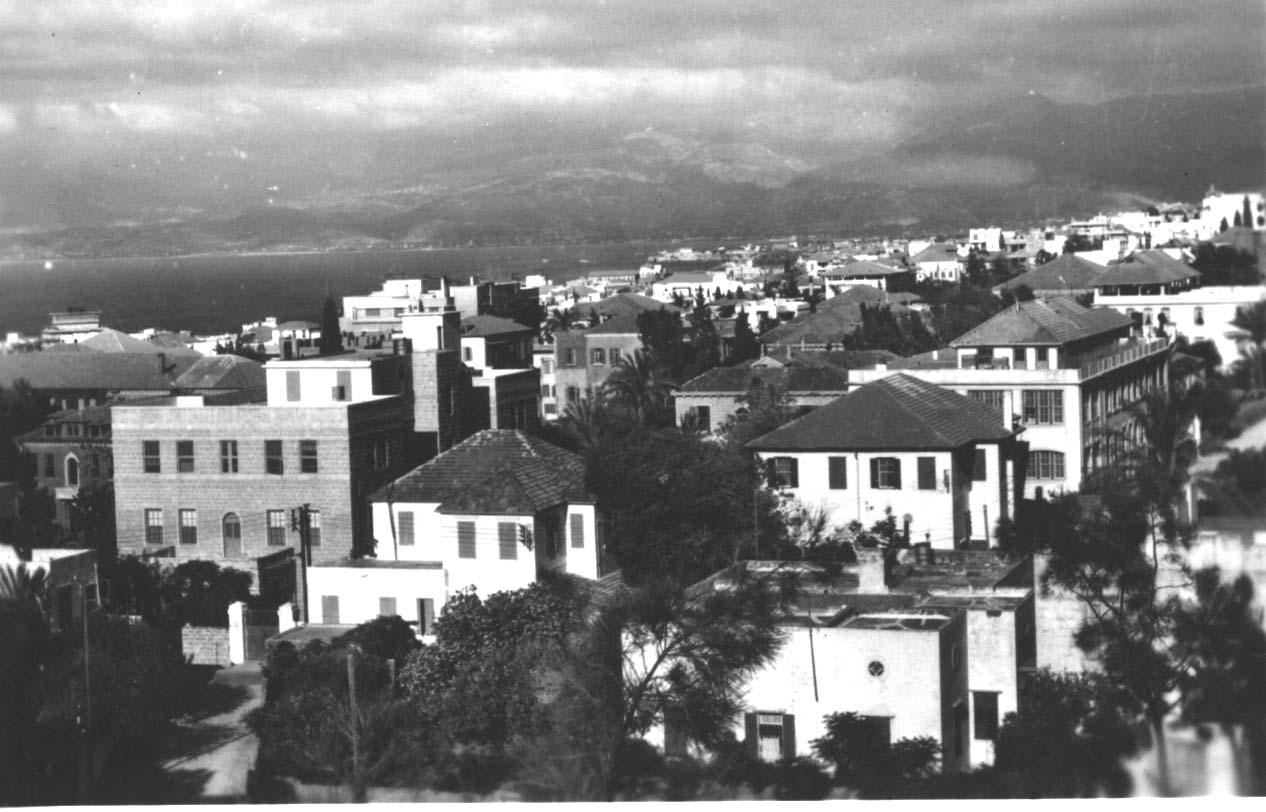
<point>980,466</point>
<point>404,528</point>
<point>577,530</point>
<point>837,473</point>
<point>927,473</point>
<point>885,472</point>
<point>292,385</point>
<point>507,538</point>
<point>785,472</point>
<point>426,615</point>
<point>465,539</point>
<point>386,607</point>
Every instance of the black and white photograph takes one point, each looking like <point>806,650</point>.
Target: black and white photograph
<point>469,401</point>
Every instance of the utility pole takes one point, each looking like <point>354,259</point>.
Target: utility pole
<point>301,521</point>
<point>358,788</point>
<point>83,710</point>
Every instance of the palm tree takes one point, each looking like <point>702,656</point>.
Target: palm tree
<point>562,321</point>
<point>640,386</point>
<point>588,420</point>
<point>24,638</point>
<point>1250,334</point>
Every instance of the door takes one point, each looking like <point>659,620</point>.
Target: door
<point>232,536</point>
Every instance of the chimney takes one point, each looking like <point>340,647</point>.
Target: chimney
<point>872,571</point>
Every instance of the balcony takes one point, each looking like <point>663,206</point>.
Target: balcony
<point>1099,363</point>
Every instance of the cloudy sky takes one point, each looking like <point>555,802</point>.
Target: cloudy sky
<point>173,103</point>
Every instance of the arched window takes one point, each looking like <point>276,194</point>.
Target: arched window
<point>1199,314</point>
<point>72,471</point>
<point>1046,465</point>
<point>232,536</point>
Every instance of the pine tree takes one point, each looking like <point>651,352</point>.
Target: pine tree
<point>331,335</point>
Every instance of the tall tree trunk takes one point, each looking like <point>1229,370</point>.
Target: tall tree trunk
<point>1162,757</point>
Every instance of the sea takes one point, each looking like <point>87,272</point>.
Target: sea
<point>209,294</point>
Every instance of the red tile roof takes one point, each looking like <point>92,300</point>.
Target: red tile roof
<point>1054,322</point>
<point>1146,268</point>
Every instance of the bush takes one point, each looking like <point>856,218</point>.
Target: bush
<point>387,638</point>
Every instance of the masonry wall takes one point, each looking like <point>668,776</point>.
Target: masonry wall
<point>205,645</point>
<point>438,396</point>
<point>1058,615</point>
<point>359,590</point>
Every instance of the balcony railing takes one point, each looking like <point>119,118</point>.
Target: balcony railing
<point>1125,355</point>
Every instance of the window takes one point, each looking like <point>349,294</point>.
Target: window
<point>314,528</point>
<point>426,615</point>
<point>508,540</point>
<point>228,456</point>
<point>308,456</point>
<point>465,539</point>
<point>72,472</point>
<point>386,607</point>
<point>837,473</point>
<point>184,456</point>
<point>544,390</point>
<point>547,366</point>
<point>927,473</point>
<point>772,735</point>
<point>50,467</point>
<point>274,463</point>
<point>232,532</point>
<point>1046,465</point>
<point>980,466</point>
<point>153,525</point>
<point>985,709</point>
<point>613,356</point>
<point>152,460</point>
<point>1043,406</point>
<point>1199,314</point>
<point>785,472</point>
<point>94,466</point>
<point>404,528</point>
<point>188,526</point>
<point>885,472</point>
<point>875,668</point>
<point>703,415</point>
<point>276,528</point>
<point>573,394</point>
<point>329,608</point>
<point>993,398</point>
<point>468,354</point>
<point>597,356</point>
<point>577,530</point>
<point>343,387</point>
<point>569,358</point>
<point>292,385</point>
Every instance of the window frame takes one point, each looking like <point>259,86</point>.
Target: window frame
<point>153,526</point>
<point>184,457</point>
<point>274,458</point>
<point>151,457</point>
<point>988,731</point>
<point>507,541</point>
<point>466,540</point>
<point>1046,461</point>
<point>785,471</point>
<point>597,357</point>
<point>925,467</point>
<point>188,522</point>
<point>308,459</point>
<point>275,527</point>
<point>837,473</point>
<point>1042,407</point>
<point>405,528</point>
<point>228,457</point>
<point>886,473</point>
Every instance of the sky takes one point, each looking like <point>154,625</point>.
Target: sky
<point>178,106</point>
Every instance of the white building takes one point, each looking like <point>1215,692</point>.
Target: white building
<point>378,313</point>
<point>1229,206</point>
<point>944,464</point>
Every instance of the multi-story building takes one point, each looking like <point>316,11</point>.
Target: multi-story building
<point>939,262</point>
<point>71,327</point>
<point>198,480</point>
<point>584,359</point>
<point>1229,208</point>
<point>69,452</point>
<point>1064,372</point>
<point>1068,275</point>
<point>944,464</point>
<point>376,315</point>
<point>1165,296</point>
<point>77,379</point>
<point>490,513</point>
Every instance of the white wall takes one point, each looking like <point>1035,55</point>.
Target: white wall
<point>317,380</point>
<point>1217,306</point>
<point>359,588</point>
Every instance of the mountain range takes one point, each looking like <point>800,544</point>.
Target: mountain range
<point>1018,160</point>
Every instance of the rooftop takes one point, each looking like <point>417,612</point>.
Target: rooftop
<point>487,326</point>
<point>624,304</point>
<point>1056,322</point>
<point>895,413</point>
<point>791,376</point>
<point>111,371</point>
<point>495,471</point>
<point>223,372</point>
<point>1067,272</point>
<point>618,325</point>
<point>937,252</point>
<point>1146,268</point>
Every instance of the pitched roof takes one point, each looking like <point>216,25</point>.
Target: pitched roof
<point>1067,272</point>
<point>1145,268</point>
<point>836,317</point>
<point>896,413</point>
<point>937,252</point>
<point>866,267</point>
<point>1055,322</point>
<point>793,376</point>
<point>623,304</point>
<point>111,340</point>
<point>688,278</point>
<point>496,471</point>
<point>620,325</point>
<point>93,370</point>
<point>480,326</point>
<point>223,372</point>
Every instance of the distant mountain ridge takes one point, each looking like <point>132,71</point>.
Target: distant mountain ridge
<point>1013,161</point>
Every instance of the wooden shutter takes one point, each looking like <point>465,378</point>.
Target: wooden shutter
<point>426,615</point>
<point>874,472</point>
<point>837,472</point>
<point>292,385</point>
<point>788,735</point>
<point>577,530</point>
<point>927,473</point>
<point>896,473</point>
<point>508,538</point>
<point>404,528</point>
<point>753,738</point>
<point>465,539</point>
<point>979,469</point>
<point>329,608</point>
<point>386,607</point>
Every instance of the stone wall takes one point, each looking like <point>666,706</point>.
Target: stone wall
<point>205,645</point>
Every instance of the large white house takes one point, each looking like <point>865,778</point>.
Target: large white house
<point>944,464</point>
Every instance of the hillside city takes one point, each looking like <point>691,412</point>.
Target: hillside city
<point>969,515</point>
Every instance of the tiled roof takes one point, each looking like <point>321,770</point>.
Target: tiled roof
<point>791,377</point>
<point>895,413</point>
<point>88,416</point>
<point>1043,321</point>
<point>624,304</point>
<point>937,252</point>
<point>93,370</point>
<point>836,317</point>
<point>223,372</point>
<point>1145,268</point>
<point>620,325</point>
<point>496,471</point>
<point>688,278</point>
<point>111,340</point>
<point>865,267</point>
<point>1067,272</point>
<point>479,326</point>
